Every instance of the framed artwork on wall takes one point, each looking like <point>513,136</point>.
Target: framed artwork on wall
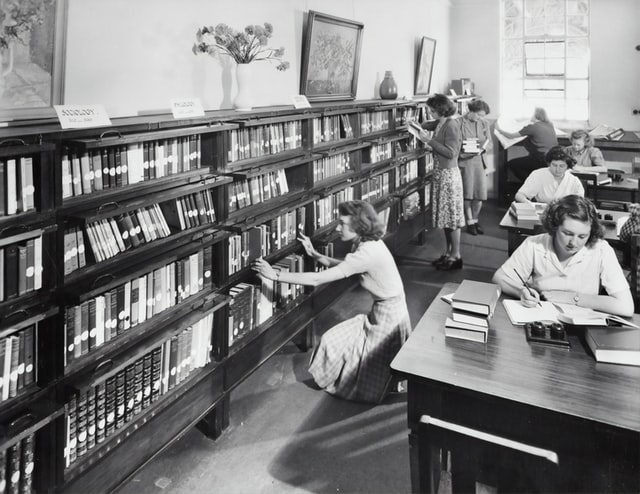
<point>32,39</point>
<point>424,65</point>
<point>330,58</point>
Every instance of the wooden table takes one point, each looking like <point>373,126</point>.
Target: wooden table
<point>518,231</point>
<point>586,412</point>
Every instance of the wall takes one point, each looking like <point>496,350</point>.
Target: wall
<point>135,56</point>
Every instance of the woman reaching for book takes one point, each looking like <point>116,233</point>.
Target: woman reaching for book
<point>569,263</point>
<point>352,360</point>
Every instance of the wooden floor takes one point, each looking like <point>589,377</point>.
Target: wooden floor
<point>286,436</point>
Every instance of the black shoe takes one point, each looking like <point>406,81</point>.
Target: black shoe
<point>440,260</point>
<point>451,264</point>
<point>472,230</point>
<point>479,229</point>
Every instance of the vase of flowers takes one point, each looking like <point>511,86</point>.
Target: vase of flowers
<point>244,47</point>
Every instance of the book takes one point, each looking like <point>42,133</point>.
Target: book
<point>581,316</point>
<point>519,314</point>
<point>464,331</point>
<point>476,296</point>
<point>614,345</point>
<point>524,211</point>
<point>467,318</point>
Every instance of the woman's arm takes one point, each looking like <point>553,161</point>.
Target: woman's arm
<point>510,135</point>
<point>312,252</point>
<point>264,269</point>
<point>521,197</point>
<point>620,303</point>
<point>452,141</point>
<point>529,297</point>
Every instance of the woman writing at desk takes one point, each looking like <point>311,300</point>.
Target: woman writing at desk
<point>552,182</point>
<point>588,157</point>
<point>568,264</point>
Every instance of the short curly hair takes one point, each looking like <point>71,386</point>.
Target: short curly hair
<point>364,219</point>
<point>576,207</point>
<point>583,134</point>
<point>443,105</point>
<point>557,153</point>
<point>479,105</point>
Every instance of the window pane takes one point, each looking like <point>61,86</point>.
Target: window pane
<point>554,27</point>
<point>578,109</point>
<point>578,25</point>
<point>513,8</point>
<point>554,8</point>
<point>535,66</point>
<point>577,68</point>
<point>512,28</point>
<point>578,89</point>
<point>548,84</point>
<point>534,8</point>
<point>534,26</point>
<point>578,48</point>
<point>534,49</point>
<point>512,68</point>
<point>554,49</point>
<point>577,7</point>
<point>555,66</point>
<point>512,49</point>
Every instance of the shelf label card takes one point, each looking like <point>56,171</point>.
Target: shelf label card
<point>300,101</point>
<point>82,116</point>
<point>185,108</point>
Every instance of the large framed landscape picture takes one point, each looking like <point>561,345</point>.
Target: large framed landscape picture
<point>32,36</point>
<point>424,65</point>
<point>330,58</point>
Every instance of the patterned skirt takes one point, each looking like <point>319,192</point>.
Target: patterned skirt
<point>353,358</point>
<point>446,199</point>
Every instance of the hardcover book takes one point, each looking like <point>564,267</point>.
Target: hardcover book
<point>614,345</point>
<point>476,296</point>
<point>465,331</point>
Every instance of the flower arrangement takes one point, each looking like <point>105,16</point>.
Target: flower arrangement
<point>245,46</point>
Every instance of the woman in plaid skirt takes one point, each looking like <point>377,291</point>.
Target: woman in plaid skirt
<point>352,360</point>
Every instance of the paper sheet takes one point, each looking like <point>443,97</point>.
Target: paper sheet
<point>519,314</point>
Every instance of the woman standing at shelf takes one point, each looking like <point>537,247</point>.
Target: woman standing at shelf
<point>568,264</point>
<point>588,157</point>
<point>475,135</point>
<point>447,198</point>
<point>541,136</point>
<point>352,360</point>
<point>553,182</point>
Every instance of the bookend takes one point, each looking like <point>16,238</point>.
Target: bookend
<point>547,333</point>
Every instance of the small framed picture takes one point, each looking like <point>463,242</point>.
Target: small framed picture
<point>424,65</point>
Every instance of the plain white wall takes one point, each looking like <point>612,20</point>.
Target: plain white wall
<point>135,56</point>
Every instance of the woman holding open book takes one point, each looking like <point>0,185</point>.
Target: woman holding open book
<point>569,264</point>
<point>552,182</point>
<point>588,157</point>
<point>352,360</point>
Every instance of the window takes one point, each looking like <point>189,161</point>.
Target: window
<point>545,58</point>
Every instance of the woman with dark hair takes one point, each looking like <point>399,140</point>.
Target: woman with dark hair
<point>352,360</point>
<point>553,182</point>
<point>569,264</point>
<point>541,136</point>
<point>588,158</point>
<point>446,196</point>
<point>473,126</point>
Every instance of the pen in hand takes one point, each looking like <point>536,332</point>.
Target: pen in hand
<point>526,285</point>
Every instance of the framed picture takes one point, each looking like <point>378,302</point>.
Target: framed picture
<point>32,38</point>
<point>330,58</point>
<point>424,66</point>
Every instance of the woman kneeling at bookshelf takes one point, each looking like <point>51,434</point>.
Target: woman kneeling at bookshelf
<point>352,360</point>
<point>553,182</point>
<point>569,263</point>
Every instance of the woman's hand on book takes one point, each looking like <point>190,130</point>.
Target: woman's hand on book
<point>264,269</point>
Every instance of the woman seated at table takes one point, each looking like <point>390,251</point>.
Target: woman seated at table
<point>588,158</point>
<point>552,182</point>
<point>569,263</point>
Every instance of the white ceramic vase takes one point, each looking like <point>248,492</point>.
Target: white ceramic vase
<point>243,100</point>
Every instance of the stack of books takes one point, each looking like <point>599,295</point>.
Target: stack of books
<point>472,307</point>
<point>470,146</point>
<point>526,212</point>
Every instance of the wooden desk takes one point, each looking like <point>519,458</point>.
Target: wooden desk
<point>518,231</point>
<point>587,412</point>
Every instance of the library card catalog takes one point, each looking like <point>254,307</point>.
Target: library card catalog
<point>82,116</point>
<point>185,108</point>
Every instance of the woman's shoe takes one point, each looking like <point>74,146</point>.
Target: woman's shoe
<point>479,229</point>
<point>472,229</point>
<point>451,264</point>
<point>440,260</point>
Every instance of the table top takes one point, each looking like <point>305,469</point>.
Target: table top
<point>507,366</point>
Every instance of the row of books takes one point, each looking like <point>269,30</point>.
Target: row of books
<point>374,121</point>
<point>332,128</point>
<point>17,464</point>
<point>20,268</point>
<point>255,190</point>
<point>263,140</point>
<point>74,250</point>
<point>252,305</point>
<point>94,415</point>
<point>380,152</point>
<point>331,166</point>
<point>406,173</point>
<point>325,250</point>
<point>17,362</point>
<point>17,189</point>
<point>105,317</point>
<point>84,172</point>
<point>326,209</point>
<point>190,211</point>
<point>472,306</point>
<point>375,187</point>
<point>109,237</point>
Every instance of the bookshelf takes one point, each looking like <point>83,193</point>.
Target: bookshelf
<point>131,293</point>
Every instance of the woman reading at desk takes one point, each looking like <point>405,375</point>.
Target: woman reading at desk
<point>552,182</point>
<point>569,264</point>
<point>588,157</point>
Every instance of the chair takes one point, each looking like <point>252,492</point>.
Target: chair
<point>477,456</point>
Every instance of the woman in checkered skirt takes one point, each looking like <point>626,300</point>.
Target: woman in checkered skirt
<point>352,359</point>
